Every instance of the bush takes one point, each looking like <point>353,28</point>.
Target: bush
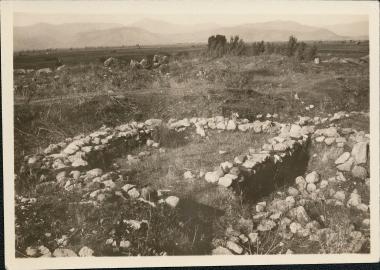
<point>218,46</point>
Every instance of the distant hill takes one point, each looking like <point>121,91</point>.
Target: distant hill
<point>162,27</point>
<point>354,30</point>
<point>154,32</point>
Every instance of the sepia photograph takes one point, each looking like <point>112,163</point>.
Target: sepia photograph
<point>179,133</point>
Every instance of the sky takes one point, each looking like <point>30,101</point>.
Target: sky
<point>23,19</point>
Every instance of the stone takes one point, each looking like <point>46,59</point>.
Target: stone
<point>235,171</point>
<point>85,252</point>
<point>148,193</point>
<point>320,139</point>
<point>329,141</point>
<point>200,131</point>
<point>61,177</point>
<point>311,187</point>
<point>44,251</point>
<point>302,216</point>
<point>125,244</point>
<point>188,175</point>
<point>266,225</point>
<point>212,177</point>
<point>226,166</point>
<point>244,239</point>
<point>340,195</point>
<point>75,174</point>
<point>312,177</point>
<point>362,207</point>
<point>253,238</point>
<point>240,159</point>
<point>221,126</point>
<point>280,147</point>
<point>149,142</point>
<point>295,131</point>
<point>366,223</point>
<point>64,252</point>
<point>110,61</point>
<point>359,152</point>
<point>342,158</point>
<point>323,184</point>
<point>231,125</point>
<point>221,251</point>
<point>172,201</point>
<point>295,227</point>
<point>301,183</point>
<point>346,166</point>
<point>234,247</point>
<point>260,207</point>
<point>340,177</point>
<point>94,173</point>
<point>31,252</point>
<point>227,180</point>
<point>293,191</point>
<point>359,172</point>
<point>244,127</point>
<point>354,200</point>
<point>109,183</point>
<point>133,193</point>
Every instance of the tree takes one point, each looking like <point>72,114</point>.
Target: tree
<point>291,46</point>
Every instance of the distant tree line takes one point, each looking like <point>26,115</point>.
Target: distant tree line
<point>218,46</point>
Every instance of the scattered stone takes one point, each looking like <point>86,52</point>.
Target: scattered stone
<point>323,184</point>
<point>253,238</point>
<point>234,247</point>
<point>266,225</point>
<point>311,188</point>
<point>342,158</point>
<point>302,216</point>
<point>226,166</point>
<point>125,244</point>
<point>295,131</point>
<point>359,152</point>
<point>363,207</point>
<point>320,139</point>
<point>94,173</point>
<point>340,196</point>
<point>295,227</point>
<point>172,201</point>
<point>329,141</point>
<point>221,251</point>
<point>312,177</point>
<point>31,252</point>
<point>212,177</point>
<point>148,193</point>
<point>359,172</point>
<point>346,166</point>
<point>293,191</point>
<point>188,175</point>
<point>85,252</point>
<point>301,183</point>
<point>64,252</point>
<point>227,180</point>
<point>260,207</point>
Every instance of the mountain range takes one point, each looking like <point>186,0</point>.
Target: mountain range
<point>156,32</point>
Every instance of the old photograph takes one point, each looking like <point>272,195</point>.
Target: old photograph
<point>174,130</point>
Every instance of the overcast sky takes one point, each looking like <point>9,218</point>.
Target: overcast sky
<point>22,19</point>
